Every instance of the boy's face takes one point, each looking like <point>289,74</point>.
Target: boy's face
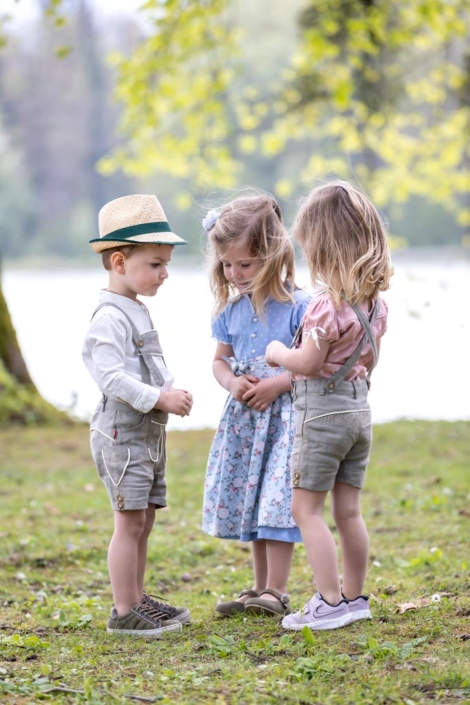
<point>142,272</point>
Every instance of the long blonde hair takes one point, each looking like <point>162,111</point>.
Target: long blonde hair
<point>345,243</point>
<point>257,221</point>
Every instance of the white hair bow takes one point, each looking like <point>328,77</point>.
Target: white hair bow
<point>210,220</point>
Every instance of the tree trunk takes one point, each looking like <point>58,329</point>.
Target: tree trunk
<point>10,352</point>
<point>20,401</point>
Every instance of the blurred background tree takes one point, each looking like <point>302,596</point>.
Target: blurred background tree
<point>188,100</point>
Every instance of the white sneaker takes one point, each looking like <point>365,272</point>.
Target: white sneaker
<point>359,608</point>
<point>318,614</point>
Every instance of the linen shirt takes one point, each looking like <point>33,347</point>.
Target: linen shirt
<point>111,357</point>
<point>241,327</point>
<point>342,329</point>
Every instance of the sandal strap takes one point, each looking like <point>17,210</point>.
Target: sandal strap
<point>251,593</point>
<point>283,598</point>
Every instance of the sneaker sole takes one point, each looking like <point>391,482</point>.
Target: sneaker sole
<point>320,624</point>
<point>183,618</point>
<point>145,633</point>
<point>230,611</point>
<point>265,609</point>
<point>360,614</point>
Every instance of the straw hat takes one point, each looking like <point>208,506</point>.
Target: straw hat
<point>133,220</point>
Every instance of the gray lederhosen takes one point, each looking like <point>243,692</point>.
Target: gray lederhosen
<point>128,446</point>
<point>334,428</point>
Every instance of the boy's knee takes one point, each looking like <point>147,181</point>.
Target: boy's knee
<point>132,522</point>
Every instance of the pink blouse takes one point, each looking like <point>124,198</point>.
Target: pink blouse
<point>343,331</point>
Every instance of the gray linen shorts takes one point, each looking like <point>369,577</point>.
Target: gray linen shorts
<point>129,450</point>
<point>333,434</point>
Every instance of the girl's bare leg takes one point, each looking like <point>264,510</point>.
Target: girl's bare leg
<point>123,559</point>
<point>346,510</point>
<point>260,568</point>
<point>278,561</point>
<point>307,510</point>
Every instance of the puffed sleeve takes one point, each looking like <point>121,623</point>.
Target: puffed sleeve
<point>302,300</point>
<point>381,322</point>
<point>321,320</point>
<point>220,330</point>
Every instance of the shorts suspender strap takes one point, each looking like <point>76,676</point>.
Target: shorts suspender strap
<point>366,324</point>
<point>138,342</point>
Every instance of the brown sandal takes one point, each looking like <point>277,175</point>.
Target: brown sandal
<point>228,609</point>
<point>274,609</point>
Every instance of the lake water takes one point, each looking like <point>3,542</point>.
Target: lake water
<point>422,371</point>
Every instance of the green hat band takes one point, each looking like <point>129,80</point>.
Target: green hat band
<point>123,234</point>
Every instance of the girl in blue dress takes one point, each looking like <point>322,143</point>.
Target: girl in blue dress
<point>247,488</point>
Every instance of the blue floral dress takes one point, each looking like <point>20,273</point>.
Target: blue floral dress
<point>248,486</point>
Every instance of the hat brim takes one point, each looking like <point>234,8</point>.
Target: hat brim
<point>166,238</point>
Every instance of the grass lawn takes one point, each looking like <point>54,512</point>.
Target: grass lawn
<point>55,596</point>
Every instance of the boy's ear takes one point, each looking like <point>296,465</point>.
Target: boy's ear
<point>118,262</point>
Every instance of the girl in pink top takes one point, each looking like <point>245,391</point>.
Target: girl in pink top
<point>331,360</point>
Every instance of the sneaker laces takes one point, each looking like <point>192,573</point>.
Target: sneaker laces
<point>149,611</point>
<point>164,608</point>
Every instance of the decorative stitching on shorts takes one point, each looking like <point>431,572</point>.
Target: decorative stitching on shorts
<point>116,484</point>
<point>355,421</point>
<point>159,447</point>
<point>102,433</point>
<point>337,413</point>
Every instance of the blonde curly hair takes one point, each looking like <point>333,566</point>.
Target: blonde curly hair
<point>345,243</point>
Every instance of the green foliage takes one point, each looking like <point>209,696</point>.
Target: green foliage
<point>31,641</point>
<point>376,92</point>
<point>386,649</point>
<point>378,86</point>
<point>325,665</point>
<point>173,86</point>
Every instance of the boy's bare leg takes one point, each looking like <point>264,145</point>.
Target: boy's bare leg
<point>123,558</point>
<point>142,550</point>
<point>346,510</point>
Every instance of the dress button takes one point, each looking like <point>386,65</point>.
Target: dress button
<point>255,320</point>
<point>253,335</point>
<point>253,351</point>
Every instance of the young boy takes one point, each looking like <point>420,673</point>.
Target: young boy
<point>123,355</point>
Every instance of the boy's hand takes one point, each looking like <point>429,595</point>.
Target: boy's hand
<point>272,353</point>
<point>176,401</point>
<point>241,384</point>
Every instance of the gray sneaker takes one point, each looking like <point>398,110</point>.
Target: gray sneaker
<point>141,621</point>
<point>318,614</point>
<point>359,608</point>
<point>180,614</point>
